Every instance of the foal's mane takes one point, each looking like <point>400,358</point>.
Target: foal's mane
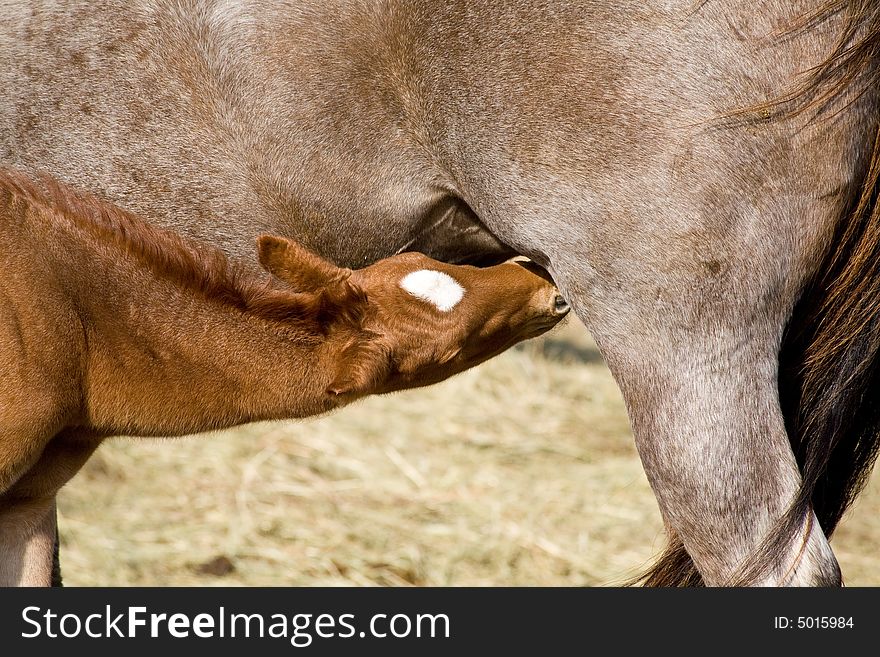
<point>193,266</point>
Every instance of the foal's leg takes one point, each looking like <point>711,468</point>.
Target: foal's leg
<point>57,580</point>
<point>27,540</point>
<point>20,453</point>
<point>27,525</point>
<point>28,529</point>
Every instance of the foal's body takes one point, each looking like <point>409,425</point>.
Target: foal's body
<point>109,327</point>
<point>581,134</point>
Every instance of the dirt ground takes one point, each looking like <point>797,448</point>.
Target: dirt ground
<point>520,472</point>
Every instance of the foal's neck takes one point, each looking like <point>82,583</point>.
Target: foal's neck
<point>171,363</point>
<point>177,340</point>
<point>192,364</point>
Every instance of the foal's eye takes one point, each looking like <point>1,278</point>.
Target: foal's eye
<point>435,287</point>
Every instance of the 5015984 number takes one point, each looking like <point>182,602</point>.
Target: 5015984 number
<point>823,622</point>
<point>813,622</point>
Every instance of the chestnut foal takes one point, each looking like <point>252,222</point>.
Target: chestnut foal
<point>109,326</point>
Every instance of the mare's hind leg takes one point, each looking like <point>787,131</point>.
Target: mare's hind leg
<point>688,299</point>
<point>695,355</point>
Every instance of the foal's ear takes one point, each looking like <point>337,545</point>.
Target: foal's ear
<point>361,369</point>
<point>293,263</point>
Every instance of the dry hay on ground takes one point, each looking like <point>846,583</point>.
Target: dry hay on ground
<point>520,472</point>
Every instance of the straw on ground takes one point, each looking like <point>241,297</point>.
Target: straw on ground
<point>520,472</point>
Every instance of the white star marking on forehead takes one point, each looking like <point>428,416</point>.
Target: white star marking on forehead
<point>434,287</point>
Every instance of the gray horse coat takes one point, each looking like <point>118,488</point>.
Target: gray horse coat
<point>585,135</point>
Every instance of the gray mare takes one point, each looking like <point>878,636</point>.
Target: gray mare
<point>589,136</point>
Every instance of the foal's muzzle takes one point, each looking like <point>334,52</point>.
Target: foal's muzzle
<point>560,305</point>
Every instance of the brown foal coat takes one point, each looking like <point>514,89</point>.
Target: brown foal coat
<point>110,326</point>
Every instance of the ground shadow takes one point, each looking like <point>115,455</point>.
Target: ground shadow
<point>562,350</point>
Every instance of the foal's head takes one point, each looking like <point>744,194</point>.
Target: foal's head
<point>414,321</point>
